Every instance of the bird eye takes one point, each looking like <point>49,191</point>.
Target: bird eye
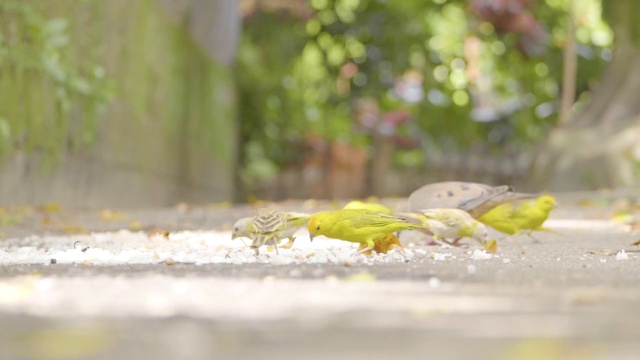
<point>318,227</point>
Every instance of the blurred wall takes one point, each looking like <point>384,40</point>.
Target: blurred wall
<point>168,135</point>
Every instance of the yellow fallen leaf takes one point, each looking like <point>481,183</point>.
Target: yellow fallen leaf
<point>553,349</point>
<point>622,217</point>
<point>74,229</point>
<point>491,246</point>
<point>252,199</point>
<point>111,215</point>
<point>164,234</point>
<point>361,277</point>
<point>135,225</point>
<point>585,203</point>
<point>49,208</point>
<point>53,343</point>
<point>221,205</point>
<point>13,293</point>
<point>8,217</point>
<point>288,245</point>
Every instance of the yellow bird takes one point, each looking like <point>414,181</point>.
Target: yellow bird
<point>512,218</point>
<point>357,225</point>
<point>375,207</point>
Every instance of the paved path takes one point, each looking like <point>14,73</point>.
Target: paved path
<point>572,295</point>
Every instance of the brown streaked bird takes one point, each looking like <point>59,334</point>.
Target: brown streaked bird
<point>267,225</point>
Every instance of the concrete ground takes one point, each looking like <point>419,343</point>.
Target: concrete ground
<point>572,295</point>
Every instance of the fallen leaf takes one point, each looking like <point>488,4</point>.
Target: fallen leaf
<point>221,205</point>
<point>111,215</point>
<point>9,217</point>
<point>252,199</point>
<point>182,208</point>
<point>164,234</point>
<point>74,229</point>
<point>542,348</point>
<point>289,244</point>
<point>135,225</point>
<point>361,277</point>
<point>585,203</point>
<point>636,243</point>
<point>622,217</point>
<point>58,342</point>
<point>491,246</point>
<point>49,208</point>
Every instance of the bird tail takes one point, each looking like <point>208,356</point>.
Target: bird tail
<point>415,219</point>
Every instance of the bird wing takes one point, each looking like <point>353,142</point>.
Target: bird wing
<point>268,221</point>
<point>474,198</point>
<point>452,195</point>
<point>372,219</point>
<point>493,201</point>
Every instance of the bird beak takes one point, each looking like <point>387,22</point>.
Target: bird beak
<point>311,237</point>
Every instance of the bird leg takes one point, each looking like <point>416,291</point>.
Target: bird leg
<point>257,243</point>
<point>370,246</point>
<point>530,235</point>
<point>363,251</point>
<point>440,241</point>
<point>364,247</point>
<point>274,242</point>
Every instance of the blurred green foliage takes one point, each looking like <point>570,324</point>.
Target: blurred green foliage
<point>476,87</point>
<point>40,80</point>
